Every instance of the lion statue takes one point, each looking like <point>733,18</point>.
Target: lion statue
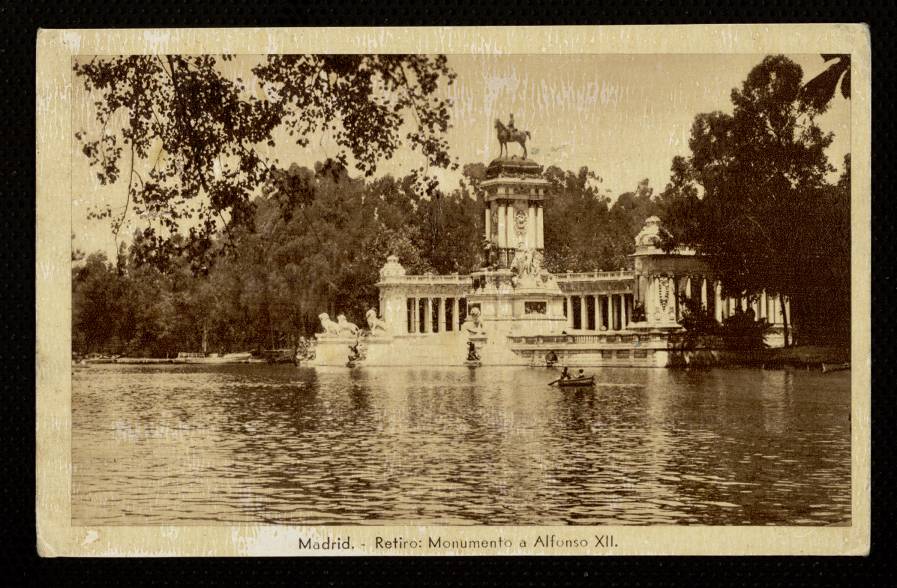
<point>345,327</point>
<point>330,327</point>
<point>473,325</point>
<point>376,325</point>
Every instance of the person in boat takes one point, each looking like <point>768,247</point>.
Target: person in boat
<point>565,375</point>
<point>472,352</point>
<point>580,374</point>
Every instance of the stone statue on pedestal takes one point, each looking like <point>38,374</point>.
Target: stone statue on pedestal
<point>473,325</point>
<point>345,327</point>
<point>376,325</point>
<point>330,327</point>
<point>510,134</point>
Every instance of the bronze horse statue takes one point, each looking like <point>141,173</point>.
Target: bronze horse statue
<point>506,135</point>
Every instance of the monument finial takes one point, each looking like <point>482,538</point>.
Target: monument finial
<point>510,134</point>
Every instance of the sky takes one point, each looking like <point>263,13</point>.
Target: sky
<point>623,116</point>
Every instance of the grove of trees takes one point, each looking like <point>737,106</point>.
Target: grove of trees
<point>755,197</point>
<point>266,288</point>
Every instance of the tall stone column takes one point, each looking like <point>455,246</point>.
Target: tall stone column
<point>509,226</point>
<point>540,228</point>
<point>456,314</point>
<point>718,302</point>
<point>428,315</point>
<point>688,287</point>
<point>415,315</point>
<point>787,310</point>
<point>764,305</point>
<point>531,227</point>
<point>703,293</point>
<point>488,223</point>
<point>611,311</point>
<point>597,312</point>
<point>502,233</point>
<point>441,315</point>
<point>776,309</point>
<point>583,314</point>
<point>755,306</point>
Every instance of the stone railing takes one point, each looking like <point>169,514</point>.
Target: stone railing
<point>596,339</point>
<point>428,279</point>
<point>596,275</point>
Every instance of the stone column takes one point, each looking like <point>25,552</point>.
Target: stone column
<point>583,314</point>
<point>611,310</point>
<point>488,224</point>
<point>764,305</point>
<point>688,287</point>
<point>787,311</point>
<point>540,228</point>
<point>718,302</point>
<point>428,315</point>
<point>415,315</point>
<point>531,227</point>
<point>774,309</point>
<point>509,226</point>
<point>441,315</point>
<point>502,233</point>
<point>456,314</point>
<point>755,306</point>
<point>704,293</point>
<point>597,312</point>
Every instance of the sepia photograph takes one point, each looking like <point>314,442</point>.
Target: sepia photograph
<point>341,291</point>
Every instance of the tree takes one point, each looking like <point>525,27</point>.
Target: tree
<point>185,138</point>
<point>750,194</point>
<point>819,92</point>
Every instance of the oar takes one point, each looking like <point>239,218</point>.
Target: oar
<point>555,382</point>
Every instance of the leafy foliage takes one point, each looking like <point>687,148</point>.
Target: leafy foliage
<point>753,195</point>
<point>819,92</point>
<point>186,139</point>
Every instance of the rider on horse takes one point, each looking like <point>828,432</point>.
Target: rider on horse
<point>510,134</point>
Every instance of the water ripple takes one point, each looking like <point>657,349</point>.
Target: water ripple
<point>238,444</point>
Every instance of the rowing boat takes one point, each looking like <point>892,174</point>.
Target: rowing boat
<point>583,382</point>
<point>834,367</point>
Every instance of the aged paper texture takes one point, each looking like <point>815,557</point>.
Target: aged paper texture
<point>453,291</point>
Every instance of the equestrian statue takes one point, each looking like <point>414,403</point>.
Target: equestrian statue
<point>510,134</point>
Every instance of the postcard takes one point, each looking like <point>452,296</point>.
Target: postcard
<point>453,291</point>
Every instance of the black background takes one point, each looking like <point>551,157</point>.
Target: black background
<point>20,22</point>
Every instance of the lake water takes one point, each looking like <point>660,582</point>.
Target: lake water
<point>256,443</point>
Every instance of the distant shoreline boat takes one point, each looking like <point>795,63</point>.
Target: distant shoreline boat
<point>835,367</point>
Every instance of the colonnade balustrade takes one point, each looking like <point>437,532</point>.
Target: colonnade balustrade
<point>772,308</point>
<point>435,314</point>
<point>599,312</point>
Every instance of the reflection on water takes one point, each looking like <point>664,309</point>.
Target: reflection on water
<point>194,444</point>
